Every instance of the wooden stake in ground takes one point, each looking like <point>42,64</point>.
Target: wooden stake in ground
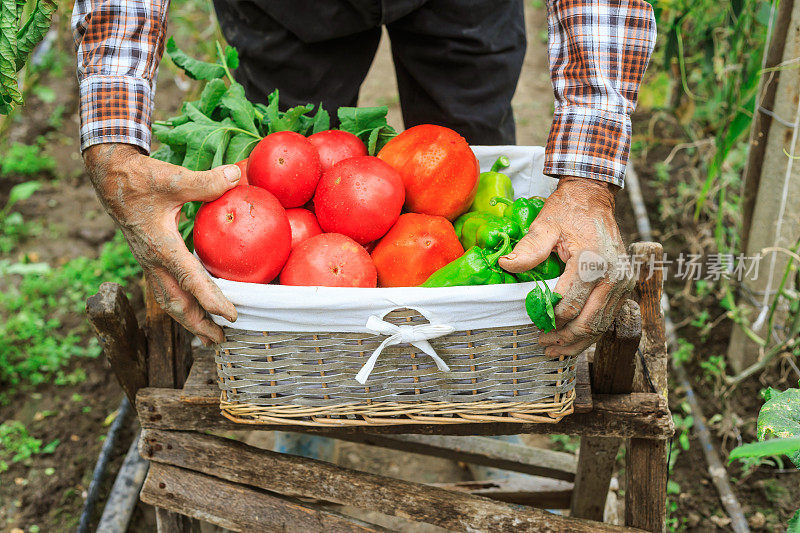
<point>772,180</point>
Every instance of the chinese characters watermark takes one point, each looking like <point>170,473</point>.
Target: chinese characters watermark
<point>684,266</point>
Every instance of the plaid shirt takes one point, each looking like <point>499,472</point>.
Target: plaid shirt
<point>598,54</point>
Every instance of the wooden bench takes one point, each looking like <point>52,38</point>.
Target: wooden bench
<point>196,475</point>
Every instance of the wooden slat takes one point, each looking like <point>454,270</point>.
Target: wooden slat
<point>645,415</point>
<point>168,363</point>
<point>295,476</point>
<point>646,460</point>
<point>541,492</point>
<point>201,384</point>
<point>612,372</point>
<point>583,385</point>
<point>483,451</point>
<point>236,507</point>
<point>124,343</point>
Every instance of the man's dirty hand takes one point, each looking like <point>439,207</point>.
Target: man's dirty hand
<point>577,221</point>
<point>144,196</point>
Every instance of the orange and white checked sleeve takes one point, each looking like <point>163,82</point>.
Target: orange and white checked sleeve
<point>598,50</point>
<point>119,43</point>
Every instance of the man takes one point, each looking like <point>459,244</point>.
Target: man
<point>457,64</point>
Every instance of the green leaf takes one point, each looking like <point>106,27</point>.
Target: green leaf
<point>794,523</point>
<point>270,112</point>
<point>539,305</point>
<point>51,447</point>
<point>195,69</point>
<point>767,448</point>
<point>211,96</point>
<point>779,418</point>
<point>239,148</point>
<point>191,110</point>
<point>9,89</point>
<point>368,124</point>
<point>222,147</point>
<point>203,141</point>
<point>34,29</point>
<point>20,192</point>
<point>322,120</point>
<point>240,109</point>
<point>231,58</point>
<point>167,154</point>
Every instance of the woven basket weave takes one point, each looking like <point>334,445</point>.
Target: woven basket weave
<point>498,374</point>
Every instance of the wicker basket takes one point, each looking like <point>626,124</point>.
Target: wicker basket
<point>497,375</point>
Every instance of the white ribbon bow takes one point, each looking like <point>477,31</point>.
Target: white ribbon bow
<point>415,335</point>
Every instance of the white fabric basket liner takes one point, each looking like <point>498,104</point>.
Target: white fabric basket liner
<point>280,308</point>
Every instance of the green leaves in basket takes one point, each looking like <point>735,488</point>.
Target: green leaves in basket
<point>539,305</point>
<point>368,124</point>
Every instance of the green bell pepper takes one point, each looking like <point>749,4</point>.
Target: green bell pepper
<point>469,229</point>
<point>476,267</point>
<point>490,235</point>
<point>550,268</point>
<point>458,225</point>
<point>485,230</point>
<point>522,211</point>
<point>490,184</point>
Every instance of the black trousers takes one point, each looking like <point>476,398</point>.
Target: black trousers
<point>457,61</point>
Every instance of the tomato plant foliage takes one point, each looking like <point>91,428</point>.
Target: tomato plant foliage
<point>22,25</point>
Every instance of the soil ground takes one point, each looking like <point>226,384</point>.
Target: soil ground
<point>75,225</point>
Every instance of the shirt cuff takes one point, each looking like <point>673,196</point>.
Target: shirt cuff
<point>115,109</point>
<point>588,143</point>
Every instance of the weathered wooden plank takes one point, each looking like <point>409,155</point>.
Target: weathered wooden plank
<point>646,460</point>
<point>615,355</point>
<point>612,372</point>
<point>583,385</point>
<point>124,343</point>
<point>169,351</point>
<point>644,415</point>
<point>201,385</point>
<point>236,507</point>
<point>541,492</point>
<point>596,461</point>
<point>295,476</point>
<point>168,363</point>
<point>483,451</point>
<point>646,484</point>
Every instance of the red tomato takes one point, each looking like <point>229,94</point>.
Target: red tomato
<point>336,145</point>
<point>287,165</point>
<point>329,260</point>
<point>243,167</point>
<point>439,170</point>
<point>415,247</point>
<point>360,197</point>
<point>303,223</point>
<point>243,235</point>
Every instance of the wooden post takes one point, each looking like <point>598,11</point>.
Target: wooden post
<point>772,179</point>
<point>612,372</point>
<point>168,364</point>
<point>646,460</point>
<point>124,343</point>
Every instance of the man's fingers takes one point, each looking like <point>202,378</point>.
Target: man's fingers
<point>207,185</point>
<point>182,306</point>
<point>580,343</point>
<point>191,277</point>
<point>594,318</point>
<point>532,249</point>
<point>574,291</point>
